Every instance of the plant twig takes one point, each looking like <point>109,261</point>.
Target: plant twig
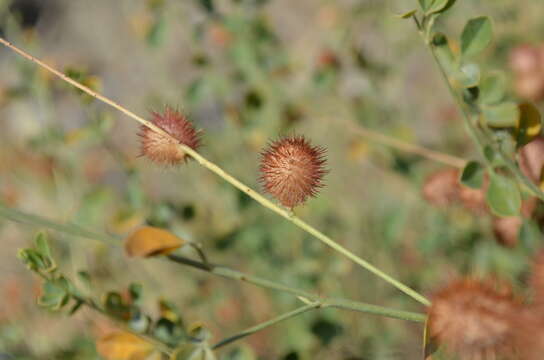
<point>407,147</point>
<point>68,228</point>
<point>478,137</point>
<point>19,216</point>
<point>252,330</point>
<point>232,180</point>
<point>330,302</point>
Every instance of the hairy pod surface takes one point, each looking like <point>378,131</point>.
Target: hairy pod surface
<point>474,320</point>
<point>163,150</point>
<point>292,170</point>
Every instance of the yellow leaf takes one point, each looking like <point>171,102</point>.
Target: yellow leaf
<point>121,345</point>
<point>529,124</point>
<point>150,241</point>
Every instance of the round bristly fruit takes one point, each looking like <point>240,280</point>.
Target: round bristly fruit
<point>162,149</point>
<point>292,170</point>
<point>473,319</point>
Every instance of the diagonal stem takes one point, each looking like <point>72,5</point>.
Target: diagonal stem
<point>479,138</point>
<point>19,216</point>
<point>324,301</point>
<point>252,330</point>
<point>232,180</point>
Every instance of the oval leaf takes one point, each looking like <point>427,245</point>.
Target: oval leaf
<point>121,345</point>
<point>151,241</point>
<point>503,196</point>
<point>476,36</point>
<point>468,75</point>
<point>55,294</point>
<point>444,53</point>
<point>473,175</point>
<point>529,124</point>
<point>441,5</point>
<point>501,115</point>
<point>492,88</point>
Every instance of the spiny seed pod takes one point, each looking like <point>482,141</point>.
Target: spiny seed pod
<point>292,170</point>
<point>474,320</point>
<point>537,279</point>
<point>163,150</point>
<point>529,334</point>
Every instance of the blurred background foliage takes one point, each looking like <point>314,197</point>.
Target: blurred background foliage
<point>244,71</point>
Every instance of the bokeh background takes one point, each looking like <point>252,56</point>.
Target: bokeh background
<point>246,72</point>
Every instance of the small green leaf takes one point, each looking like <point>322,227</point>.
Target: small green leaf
<point>444,53</point>
<point>492,88</point>
<point>156,34</point>
<point>407,14</point>
<point>503,196</point>
<point>468,75</point>
<point>55,294</point>
<point>476,36</point>
<point>506,142</point>
<point>35,261</point>
<point>530,236</point>
<point>135,290</point>
<point>42,245</point>
<point>501,115</point>
<point>440,6</point>
<point>473,175</point>
<point>530,124</point>
<point>31,258</point>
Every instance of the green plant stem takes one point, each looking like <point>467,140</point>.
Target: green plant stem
<point>408,147</point>
<point>252,330</point>
<point>68,228</point>
<point>479,138</point>
<point>330,302</point>
<point>35,220</point>
<point>230,179</point>
<point>466,116</point>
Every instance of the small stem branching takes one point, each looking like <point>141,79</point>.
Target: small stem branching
<point>252,330</point>
<point>19,216</point>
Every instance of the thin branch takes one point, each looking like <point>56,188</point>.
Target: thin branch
<point>19,216</point>
<point>68,228</point>
<point>324,301</point>
<point>252,330</point>
<point>409,147</point>
<point>232,180</point>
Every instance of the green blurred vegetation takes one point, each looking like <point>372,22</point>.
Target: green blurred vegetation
<point>245,71</point>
